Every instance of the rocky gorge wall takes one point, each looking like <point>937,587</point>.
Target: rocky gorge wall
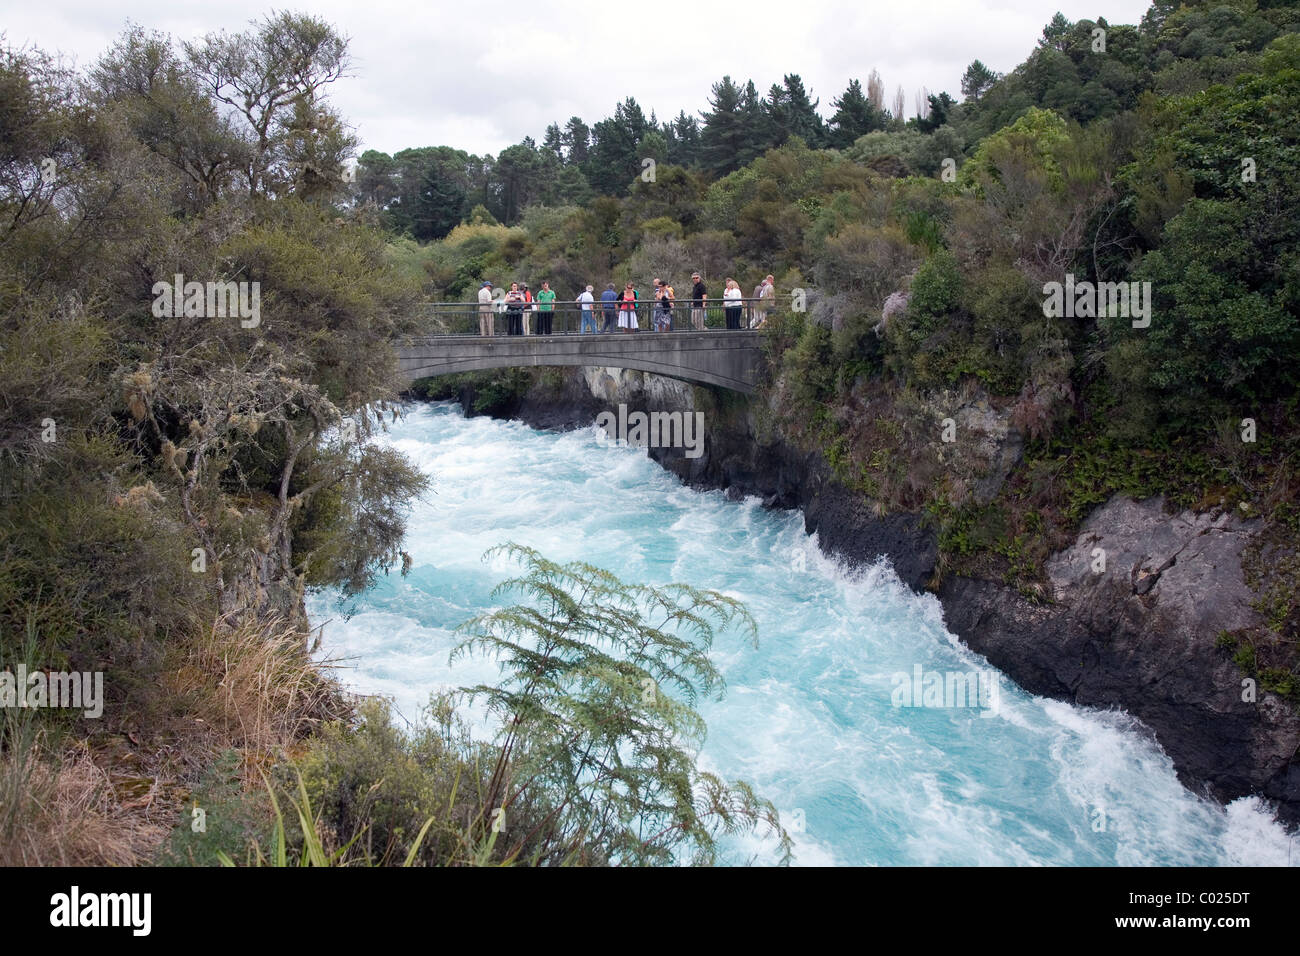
<point>1137,631</point>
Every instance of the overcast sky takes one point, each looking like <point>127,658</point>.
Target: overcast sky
<point>482,75</point>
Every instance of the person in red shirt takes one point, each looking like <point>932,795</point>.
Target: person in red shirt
<point>530,304</point>
<point>627,302</point>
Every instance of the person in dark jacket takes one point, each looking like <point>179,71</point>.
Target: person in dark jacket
<point>514,310</point>
<point>699,302</point>
<point>609,305</point>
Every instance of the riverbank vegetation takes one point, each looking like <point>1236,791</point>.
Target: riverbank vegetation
<point>171,479</point>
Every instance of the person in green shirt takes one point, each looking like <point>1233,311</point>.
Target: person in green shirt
<point>545,309</point>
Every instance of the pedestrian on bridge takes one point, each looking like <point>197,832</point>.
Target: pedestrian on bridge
<point>609,304</point>
<point>627,303</point>
<point>485,316</point>
<point>530,306</point>
<point>587,301</point>
<point>766,299</point>
<point>545,309</point>
<point>514,310</point>
<point>699,302</point>
<point>663,313</point>
<point>732,297</point>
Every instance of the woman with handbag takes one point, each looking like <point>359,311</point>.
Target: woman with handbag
<point>627,302</point>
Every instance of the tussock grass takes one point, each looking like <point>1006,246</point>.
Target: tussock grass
<point>109,793</point>
<point>65,811</point>
<point>250,686</point>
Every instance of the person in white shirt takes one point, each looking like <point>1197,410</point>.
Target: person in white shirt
<point>767,297</point>
<point>731,298</point>
<point>587,300</point>
<point>485,316</point>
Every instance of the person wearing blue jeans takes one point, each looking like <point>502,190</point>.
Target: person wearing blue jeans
<point>587,301</point>
<point>609,304</point>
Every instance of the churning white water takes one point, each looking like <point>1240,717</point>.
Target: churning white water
<point>810,717</point>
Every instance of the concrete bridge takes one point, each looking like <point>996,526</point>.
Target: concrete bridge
<point>728,359</point>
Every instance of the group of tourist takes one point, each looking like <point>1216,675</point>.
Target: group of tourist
<point>618,309</point>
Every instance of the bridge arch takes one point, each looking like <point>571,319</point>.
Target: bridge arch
<point>723,359</point>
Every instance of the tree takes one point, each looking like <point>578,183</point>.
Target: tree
<point>577,141</point>
<point>167,110</point>
<point>378,178</point>
<point>439,204</point>
<point>977,79</point>
<point>553,142</point>
<point>518,174</point>
<point>265,76</point>
<point>1057,32</point>
<point>800,113</point>
<point>855,116</point>
<point>427,189</point>
<point>876,90</point>
<point>1216,333</point>
<point>596,713</point>
<point>723,136</point>
<point>317,144</point>
<point>684,141</point>
<point>937,114</point>
<point>614,161</point>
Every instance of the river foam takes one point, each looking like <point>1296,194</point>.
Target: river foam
<point>809,717</point>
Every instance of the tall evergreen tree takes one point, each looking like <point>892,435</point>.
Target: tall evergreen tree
<point>614,160</point>
<point>684,144</point>
<point>553,141</point>
<point>977,79</point>
<point>751,122</point>
<point>518,175</point>
<point>1057,33</point>
<point>854,116</point>
<point>577,140</point>
<point>775,126</point>
<point>801,112</point>
<point>439,204</point>
<point>723,135</point>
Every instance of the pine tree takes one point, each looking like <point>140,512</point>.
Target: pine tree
<point>723,134</point>
<point>751,124</point>
<point>801,113</point>
<point>775,128</point>
<point>553,141</point>
<point>937,113</point>
<point>577,140</point>
<point>854,116</point>
<point>977,79</point>
<point>684,144</point>
<point>1056,34</point>
<point>613,161</point>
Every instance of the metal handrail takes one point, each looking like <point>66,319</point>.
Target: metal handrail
<point>462,318</point>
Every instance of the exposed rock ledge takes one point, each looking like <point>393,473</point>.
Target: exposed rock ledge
<point>1139,634</point>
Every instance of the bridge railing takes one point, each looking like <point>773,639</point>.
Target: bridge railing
<point>566,318</point>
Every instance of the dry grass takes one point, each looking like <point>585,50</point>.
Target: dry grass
<point>112,798</point>
<point>252,687</point>
<point>66,812</point>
